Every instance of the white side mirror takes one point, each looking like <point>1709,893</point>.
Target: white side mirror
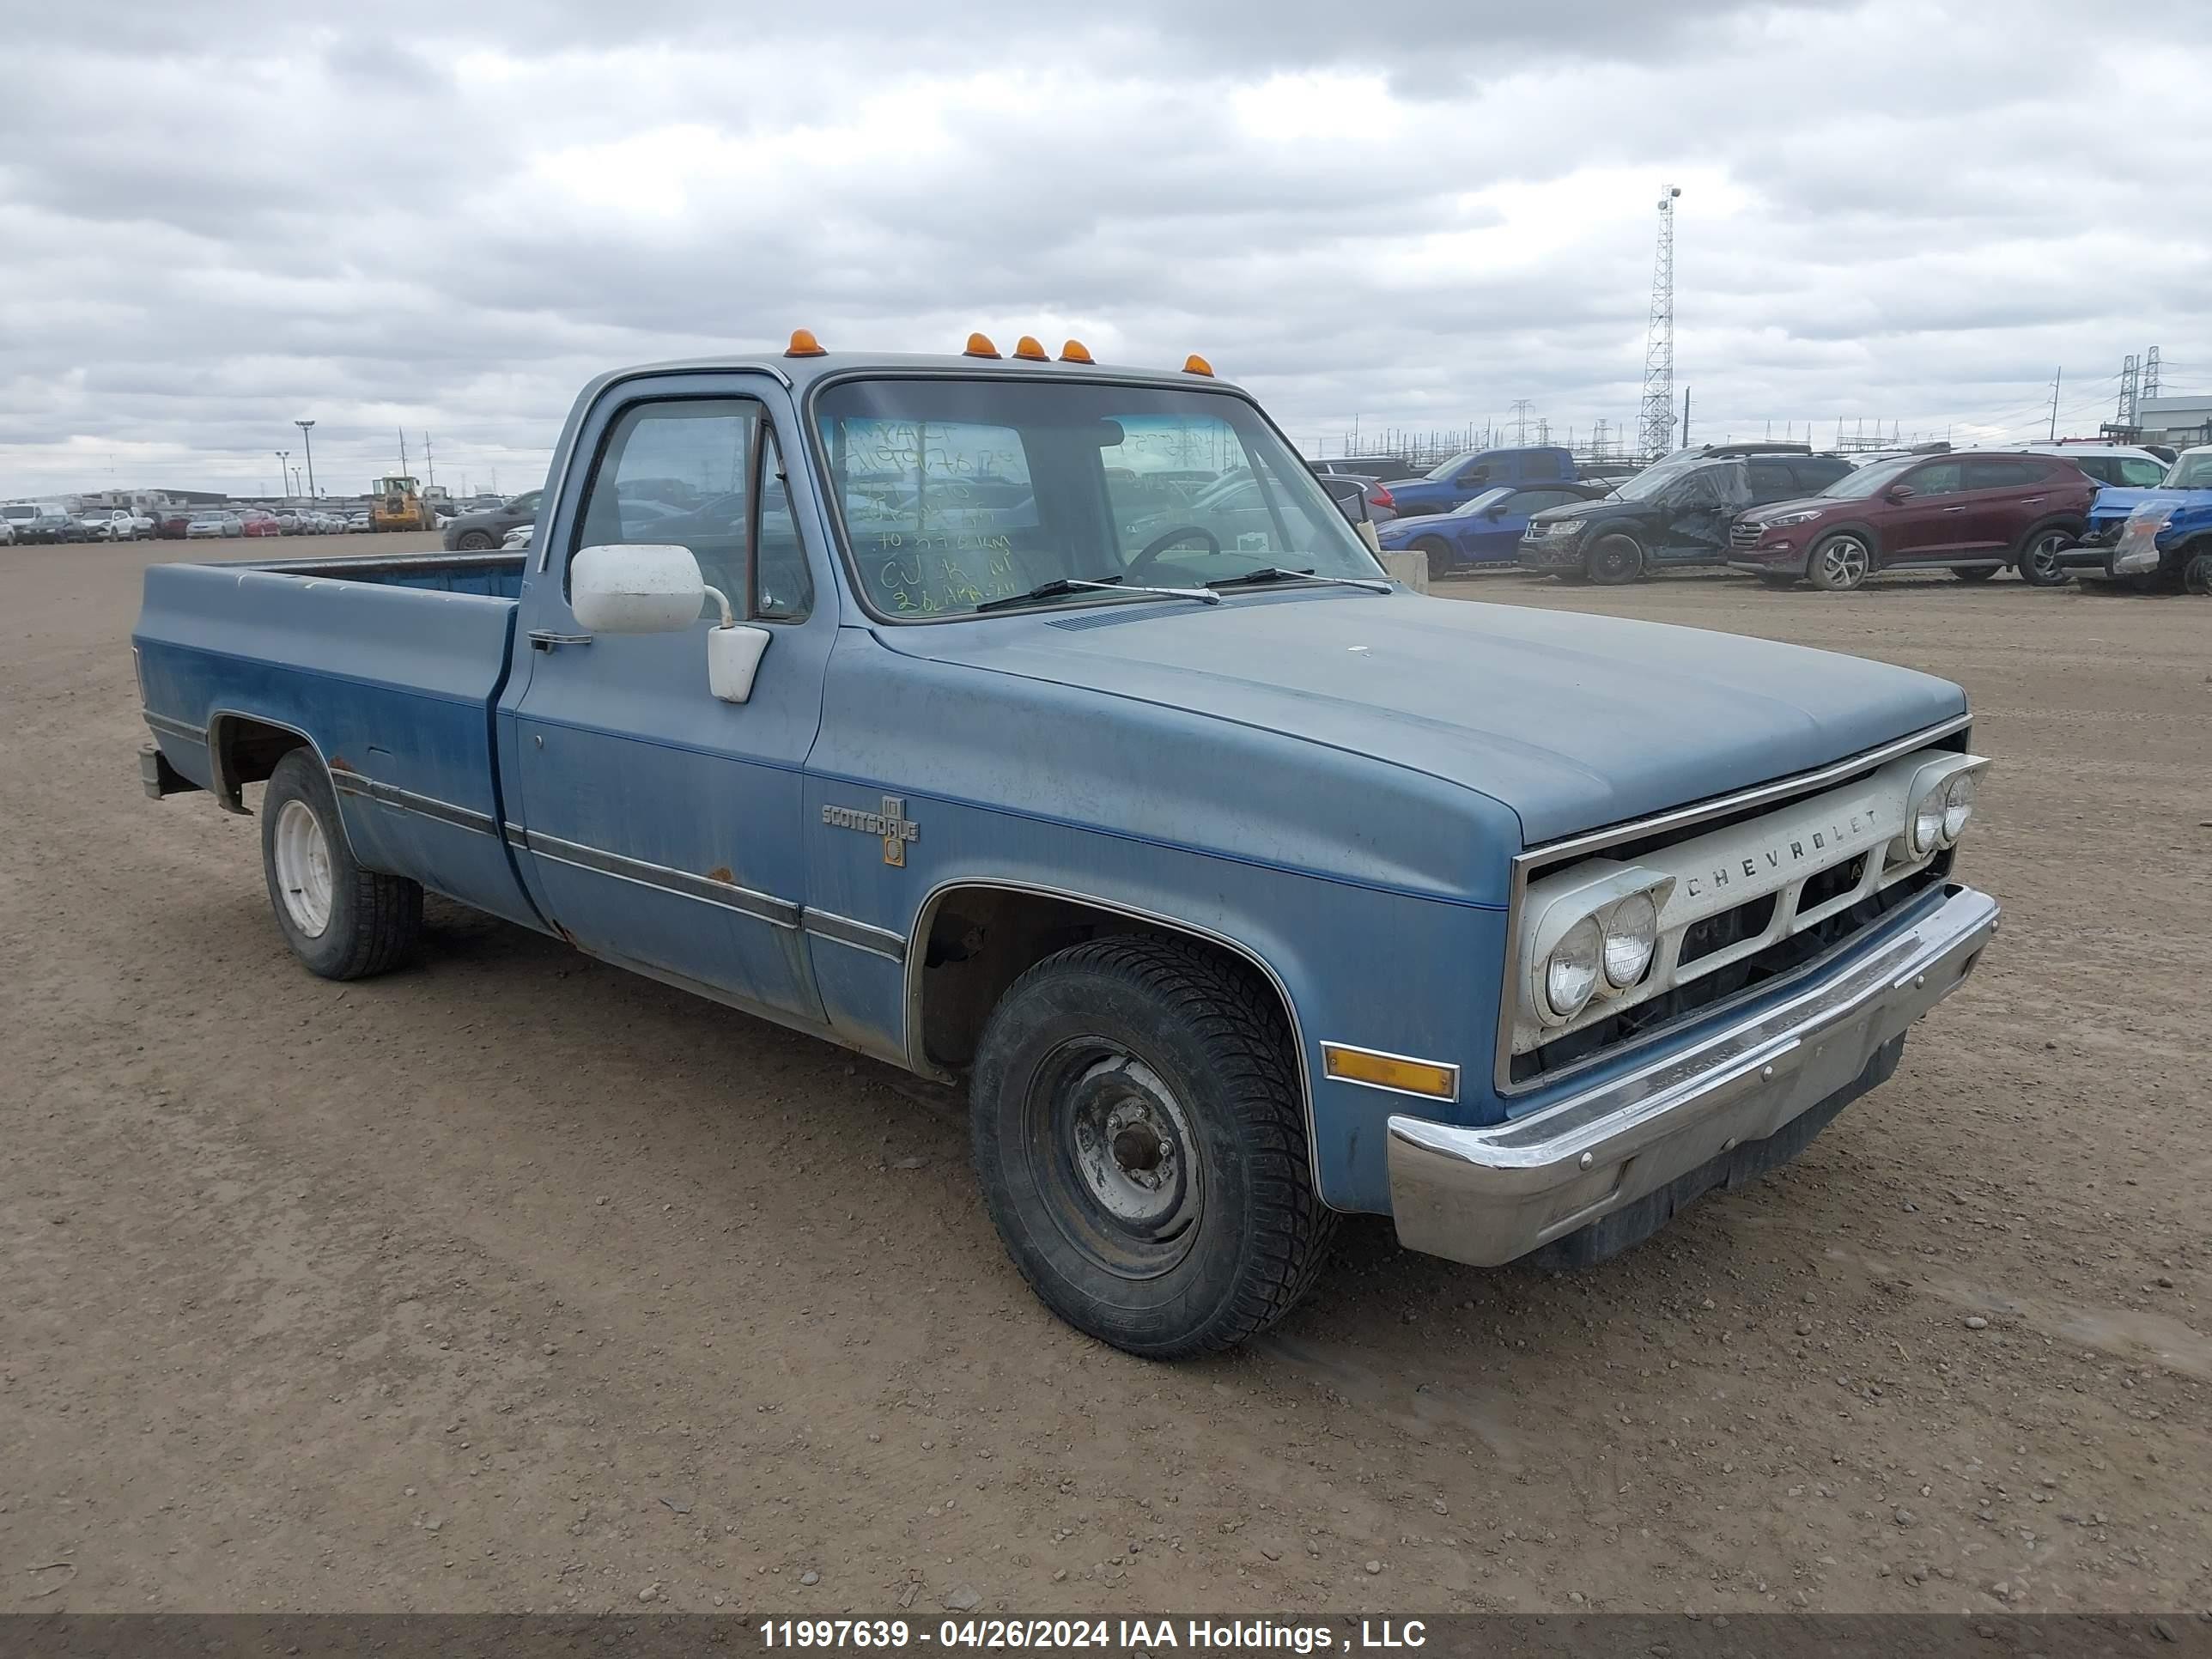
<point>734,654</point>
<point>645,587</point>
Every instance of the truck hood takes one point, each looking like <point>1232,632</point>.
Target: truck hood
<point>2114,501</point>
<point>1571,722</point>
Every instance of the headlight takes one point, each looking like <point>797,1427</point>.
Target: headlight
<point>1570,972</point>
<point>1790,518</point>
<point>1928,816</point>
<point>1563,526</point>
<point>1632,932</point>
<point>1957,806</point>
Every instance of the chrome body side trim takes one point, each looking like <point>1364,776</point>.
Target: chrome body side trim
<point>168,725</point>
<point>406,800</point>
<point>1329,1047</point>
<point>917,951</point>
<point>1489,1195</point>
<point>1682,817</point>
<point>780,912</point>
<point>860,935</point>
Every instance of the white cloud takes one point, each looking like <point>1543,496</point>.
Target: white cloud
<point>449,216</point>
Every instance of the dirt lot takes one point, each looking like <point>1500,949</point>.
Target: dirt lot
<point>512,1281</point>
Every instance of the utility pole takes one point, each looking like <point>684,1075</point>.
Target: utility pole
<point>1658,420</point>
<point>306,427</point>
<point>283,469</point>
<point>403,451</point>
<point>1685,417</point>
<point>429,466</point>
<point>2058,375</point>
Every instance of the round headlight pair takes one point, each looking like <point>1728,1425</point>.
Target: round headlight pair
<point>1940,815</point>
<point>1616,944</point>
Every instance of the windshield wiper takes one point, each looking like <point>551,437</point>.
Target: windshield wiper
<point>1060,585</point>
<point>1275,572</point>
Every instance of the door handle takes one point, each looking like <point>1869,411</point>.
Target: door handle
<point>544,639</point>
<point>2031,501</point>
<point>1947,509</point>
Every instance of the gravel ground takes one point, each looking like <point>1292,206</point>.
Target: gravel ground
<point>512,1281</point>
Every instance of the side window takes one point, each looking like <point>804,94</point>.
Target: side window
<point>680,471</point>
<point>527,502</point>
<point>2000,475</point>
<point>2138,474</point>
<point>1771,481</point>
<point>1937,478</point>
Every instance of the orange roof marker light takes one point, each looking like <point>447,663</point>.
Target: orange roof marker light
<point>1075,352</point>
<point>1029,351</point>
<point>979,345</point>
<point>1195,364</point>
<point>803,344</point>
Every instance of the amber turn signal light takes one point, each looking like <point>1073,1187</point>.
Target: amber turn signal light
<point>1195,364</point>
<point>1395,1071</point>
<point>1075,352</point>
<point>1029,351</point>
<point>979,345</point>
<point>803,344</point>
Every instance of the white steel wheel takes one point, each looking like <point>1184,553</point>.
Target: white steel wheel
<point>303,867</point>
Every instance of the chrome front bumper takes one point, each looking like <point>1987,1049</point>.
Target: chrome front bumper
<point>1489,1195</point>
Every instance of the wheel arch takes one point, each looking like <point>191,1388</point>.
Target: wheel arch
<point>245,749</point>
<point>948,996</point>
<point>2073,523</point>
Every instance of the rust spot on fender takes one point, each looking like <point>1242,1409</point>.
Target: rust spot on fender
<point>722,872</point>
<point>340,763</point>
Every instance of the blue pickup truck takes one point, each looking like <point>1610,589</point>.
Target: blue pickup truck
<point>2157,538</point>
<point>1455,481</point>
<point>1241,886</point>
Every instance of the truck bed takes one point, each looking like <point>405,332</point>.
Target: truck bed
<point>391,667</point>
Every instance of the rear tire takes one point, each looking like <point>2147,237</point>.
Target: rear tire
<point>1975,572</point>
<point>1839,563</point>
<point>1613,560</point>
<point>343,922</point>
<point>1433,548</point>
<point>1141,1144</point>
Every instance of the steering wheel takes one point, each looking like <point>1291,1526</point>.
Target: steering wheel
<point>1149,555</point>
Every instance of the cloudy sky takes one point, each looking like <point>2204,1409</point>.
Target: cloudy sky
<point>219,217</point>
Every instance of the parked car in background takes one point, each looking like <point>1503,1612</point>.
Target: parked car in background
<point>115,526</point>
<point>1972,514</point>
<point>1485,531</point>
<point>7,532</point>
<point>219,525</point>
<point>2128,466</point>
<point>1453,482</point>
<point>358,524</point>
<point>169,524</point>
<point>1673,514</point>
<point>38,521</point>
<point>518,537</point>
<point>255,522</point>
<point>1362,466</point>
<point>2151,538</point>
<point>476,531</point>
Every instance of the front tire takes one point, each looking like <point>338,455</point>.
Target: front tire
<point>343,922</point>
<point>1439,556</point>
<point>1613,560</point>
<point>2038,556</point>
<point>1839,563</point>
<point>1141,1144</point>
<point>2197,572</point>
<point>474,541</point>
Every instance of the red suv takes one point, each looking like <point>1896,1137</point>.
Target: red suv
<point>1972,514</point>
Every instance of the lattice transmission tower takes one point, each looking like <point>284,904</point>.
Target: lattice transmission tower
<point>2150,373</point>
<point>1657,425</point>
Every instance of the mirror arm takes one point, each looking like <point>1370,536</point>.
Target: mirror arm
<point>722,599</point>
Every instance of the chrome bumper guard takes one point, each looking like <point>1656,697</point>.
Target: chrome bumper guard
<point>1489,1195</point>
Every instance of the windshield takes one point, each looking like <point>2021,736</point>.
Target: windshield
<point>1449,468</point>
<point>21,515</point>
<point>955,493</point>
<point>1653,479</point>
<point>1488,498</point>
<point>2192,471</point>
<point>1857,486</point>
